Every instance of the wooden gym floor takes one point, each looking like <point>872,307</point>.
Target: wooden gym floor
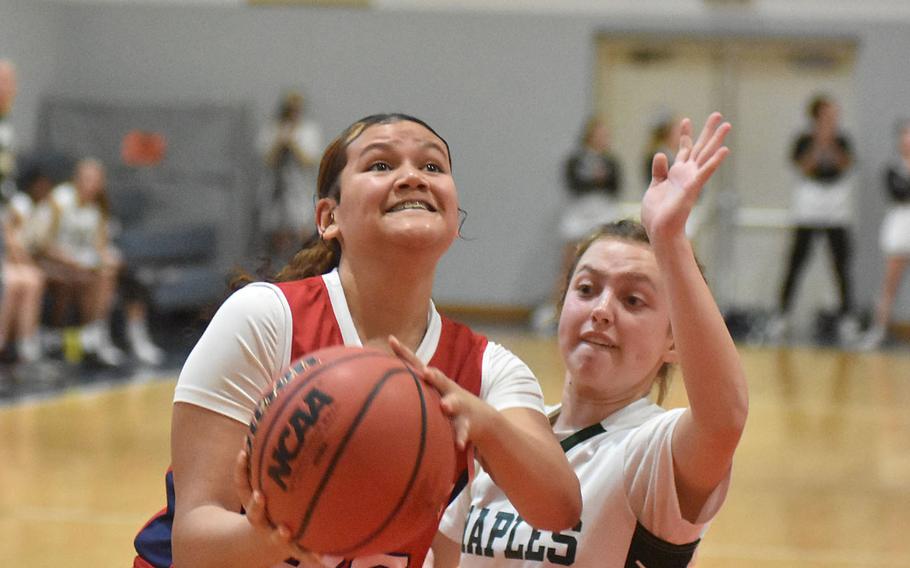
<point>822,477</point>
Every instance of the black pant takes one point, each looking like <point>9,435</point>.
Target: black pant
<point>841,249</point>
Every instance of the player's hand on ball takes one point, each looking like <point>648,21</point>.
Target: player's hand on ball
<point>254,508</point>
<point>470,415</point>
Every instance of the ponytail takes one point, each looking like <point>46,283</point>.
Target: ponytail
<point>317,256</point>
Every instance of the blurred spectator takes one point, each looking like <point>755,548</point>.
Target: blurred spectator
<point>23,279</point>
<point>821,206</point>
<point>85,268</point>
<point>663,139</point>
<point>894,238</point>
<point>593,178</point>
<point>8,89</point>
<point>291,147</point>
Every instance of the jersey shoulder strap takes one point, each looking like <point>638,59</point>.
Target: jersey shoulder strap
<point>312,318</point>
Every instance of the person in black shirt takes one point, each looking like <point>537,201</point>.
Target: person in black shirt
<point>593,178</point>
<point>821,206</point>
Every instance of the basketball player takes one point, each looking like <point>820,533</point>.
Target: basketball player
<point>386,213</point>
<point>635,302</point>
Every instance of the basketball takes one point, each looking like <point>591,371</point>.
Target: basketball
<point>352,452</point>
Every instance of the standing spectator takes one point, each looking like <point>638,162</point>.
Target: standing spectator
<point>291,146</point>
<point>593,178</point>
<point>821,206</point>
<point>894,238</point>
<point>663,139</point>
<point>8,89</point>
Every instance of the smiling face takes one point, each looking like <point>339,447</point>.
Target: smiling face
<point>396,189</point>
<point>614,326</point>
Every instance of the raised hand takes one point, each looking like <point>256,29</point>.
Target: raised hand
<point>674,190</point>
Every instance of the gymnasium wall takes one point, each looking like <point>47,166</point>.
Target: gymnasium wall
<point>509,92</point>
<point>30,36</point>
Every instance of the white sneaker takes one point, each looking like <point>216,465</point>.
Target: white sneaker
<point>29,349</point>
<point>873,339</point>
<point>110,355</point>
<point>848,330</point>
<point>147,352</point>
<point>777,328</point>
<point>141,344</point>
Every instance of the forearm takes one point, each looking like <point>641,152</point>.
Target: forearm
<point>525,459</point>
<point>210,536</point>
<point>710,364</point>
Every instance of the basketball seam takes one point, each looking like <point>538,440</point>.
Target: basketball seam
<point>339,451</point>
<point>279,405</point>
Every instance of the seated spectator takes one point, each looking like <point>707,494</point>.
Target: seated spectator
<point>23,279</point>
<point>85,268</point>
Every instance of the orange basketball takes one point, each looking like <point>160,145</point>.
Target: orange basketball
<point>352,452</point>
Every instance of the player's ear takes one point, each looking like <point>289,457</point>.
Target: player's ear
<point>325,218</point>
<point>671,356</point>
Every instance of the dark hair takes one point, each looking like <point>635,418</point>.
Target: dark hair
<point>816,105</point>
<point>31,169</point>
<point>317,255</point>
<point>624,230</point>
<point>290,102</point>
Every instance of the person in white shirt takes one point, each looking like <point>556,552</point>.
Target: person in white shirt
<point>290,146</point>
<point>387,212</point>
<point>635,302</point>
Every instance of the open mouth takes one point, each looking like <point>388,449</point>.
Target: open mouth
<point>412,205</point>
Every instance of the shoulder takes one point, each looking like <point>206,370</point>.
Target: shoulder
<point>255,301</point>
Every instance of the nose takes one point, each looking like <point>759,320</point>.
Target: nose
<point>412,178</point>
<point>603,311</point>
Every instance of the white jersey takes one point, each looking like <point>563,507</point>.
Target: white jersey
<point>33,222</point>
<point>248,343</point>
<point>79,226</point>
<point>630,514</point>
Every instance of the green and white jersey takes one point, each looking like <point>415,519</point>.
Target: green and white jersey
<point>630,517</point>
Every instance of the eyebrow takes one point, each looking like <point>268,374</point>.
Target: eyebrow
<point>631,275</point>
<point>387,146</point>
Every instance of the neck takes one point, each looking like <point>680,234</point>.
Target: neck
<point>582,407</point>
<point>387,299</point>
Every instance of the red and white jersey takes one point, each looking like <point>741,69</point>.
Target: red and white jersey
<point>262,327</point>
<point>256,333</point>
<point>630,515</point>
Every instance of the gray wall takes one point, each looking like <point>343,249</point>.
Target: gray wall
<point>508,92</point>
<point>30,36</point>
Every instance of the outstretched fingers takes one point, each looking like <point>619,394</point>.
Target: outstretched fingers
<point>713,144</point>
<point>706,170</point>
<point>707,131</point>
<point>685,140</point>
